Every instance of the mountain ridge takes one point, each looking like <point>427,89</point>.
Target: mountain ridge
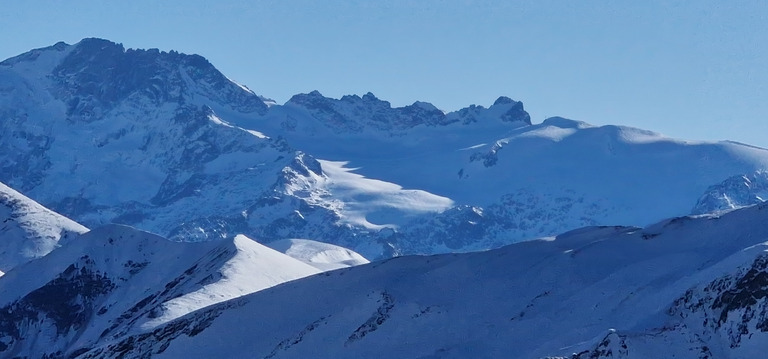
<point>679,287</point>
<point>116,280</point>
<point>29,230</point>
<point>609,264</point>
<point>144,136</point>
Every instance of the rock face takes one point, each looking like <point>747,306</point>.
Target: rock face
<point>97,75</point>
<point>735,192</point>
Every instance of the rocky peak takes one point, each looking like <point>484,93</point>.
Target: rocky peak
<point>133,136</point>
<point>504,109</point>
<point>503,100</point>
<point>369,96</point>
<point>98,74</point>
<point>309,100</point>
<point>512,111</point>
<point>354,114</point>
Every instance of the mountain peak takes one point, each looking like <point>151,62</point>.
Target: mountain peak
<point>95,43</point>
<point>426,106</point>
<point>513,111</point>
<point>33,55</point>
<point>107,74</point>
<point>503,100</point>
<point>369,96</point>
<point>60,45</point>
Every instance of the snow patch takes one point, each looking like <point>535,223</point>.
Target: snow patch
<point>321,255</point>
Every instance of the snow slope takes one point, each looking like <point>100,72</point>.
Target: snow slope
<point>684,288</point>
<point>29,230</point>
<point>321,255</point>
<point>116,280</point>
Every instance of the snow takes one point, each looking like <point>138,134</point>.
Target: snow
<point>376,204</point>
<point>146,281</point>
<point>320,255</point>
<point>29,230</point>
<point>474,147</point>
<point>483,162</point>
<point>241,86</point>
<point>550,133</point>
<point>215,119</point>
<point>583,290</point>
<point>254,267</point>
<point>360,201</point>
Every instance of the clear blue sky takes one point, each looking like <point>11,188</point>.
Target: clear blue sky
<point>689,69</point>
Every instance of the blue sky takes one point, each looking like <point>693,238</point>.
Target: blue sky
<point>694,70</point>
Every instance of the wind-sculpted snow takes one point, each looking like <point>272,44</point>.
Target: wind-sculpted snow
<point>29,230</point>
<point>688,287</point>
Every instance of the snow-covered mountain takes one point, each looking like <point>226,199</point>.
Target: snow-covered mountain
<point>103,134</point>
<point>164,142</point>
<point>734,192</point>
<point>689,287</point>
<point>115,280</point>
<point>29,230</point>
<point>511,181</point>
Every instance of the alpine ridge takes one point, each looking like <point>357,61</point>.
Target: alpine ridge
<point>687,287</point>
<point>29,230</point>
<point>226,225</point>
<point>117,280</point>
<point>164,142</point>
